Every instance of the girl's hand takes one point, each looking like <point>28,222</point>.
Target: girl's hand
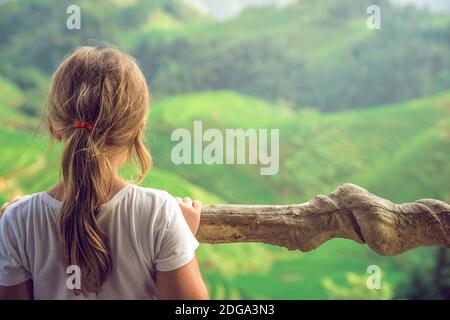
<point>6,204</point>
<point>191,212</point>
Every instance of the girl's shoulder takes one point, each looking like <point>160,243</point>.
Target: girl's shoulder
<point>152,195</point>
<point>21,211</point>
<point>150,211</point>
<point>151,200</point>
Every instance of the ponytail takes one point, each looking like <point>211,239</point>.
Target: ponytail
<point>86,175</point>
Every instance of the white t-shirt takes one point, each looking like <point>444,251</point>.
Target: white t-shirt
<point>146,232</point>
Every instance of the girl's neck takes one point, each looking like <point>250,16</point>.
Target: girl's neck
<point>57,191</point>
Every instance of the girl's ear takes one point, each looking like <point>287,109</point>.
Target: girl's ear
<point>55,135</point>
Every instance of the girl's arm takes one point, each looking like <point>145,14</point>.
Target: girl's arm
<point>185,283</point>
<point>21,291</point>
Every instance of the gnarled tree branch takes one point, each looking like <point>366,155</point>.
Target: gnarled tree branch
<point>350,212</point>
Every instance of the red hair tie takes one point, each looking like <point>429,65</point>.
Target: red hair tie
<point>83,124</point>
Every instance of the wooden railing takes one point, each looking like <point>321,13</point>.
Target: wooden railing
<point>350,212</point>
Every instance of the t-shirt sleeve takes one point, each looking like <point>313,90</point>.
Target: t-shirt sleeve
<point>177,243</point>
<point>12,271</point>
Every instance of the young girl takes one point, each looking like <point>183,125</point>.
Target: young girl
<point>93,235</point>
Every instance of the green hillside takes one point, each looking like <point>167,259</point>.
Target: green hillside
<point>318,151</point>
<point>225,109</point>
<point>365,148</point>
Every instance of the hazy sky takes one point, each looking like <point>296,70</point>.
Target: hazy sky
<point>224,9</point>
<point>433,5</point>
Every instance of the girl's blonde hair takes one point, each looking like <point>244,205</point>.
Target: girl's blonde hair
<point>105,89</point>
